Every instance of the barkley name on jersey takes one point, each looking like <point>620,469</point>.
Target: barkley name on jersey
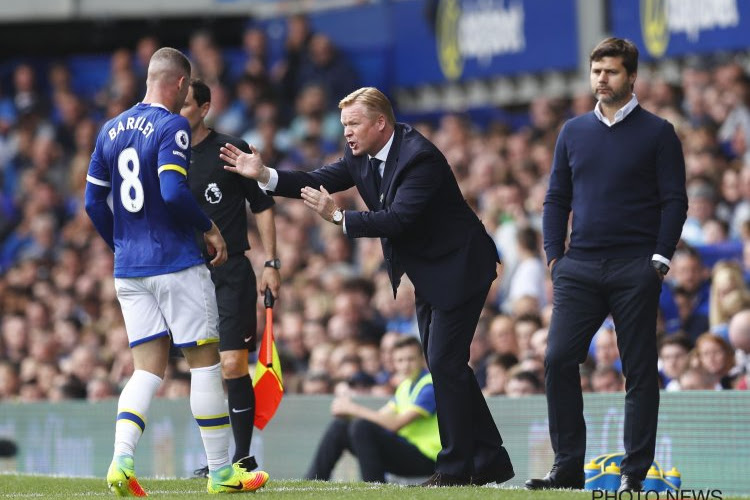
<point>133,153</point>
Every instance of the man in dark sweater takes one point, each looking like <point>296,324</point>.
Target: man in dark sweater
<point>222,195</point>
<point>621,171</point>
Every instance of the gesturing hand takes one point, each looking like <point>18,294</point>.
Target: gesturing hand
<point>320,201</point>
<point>246,164</point>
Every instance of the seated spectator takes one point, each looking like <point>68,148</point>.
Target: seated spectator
<point>605,348</point>
<point>697,379</point>
<point>729,295</point>
<point>538,343</point>
<point>585,373</point>
<point>327,67</point>
<point>607,379</point>
<point>674,359</point>
<point>317,382</point>
<point>739,337</point>
<point>525,327</point>
<point>401,438</point>
<point>523,383</point>
<point>529,275</point>
<point>714,355</point>
<point>501,335</point>
<point>498,367</point>
<point>690,276</point>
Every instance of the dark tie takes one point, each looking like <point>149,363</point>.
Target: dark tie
<point>375,166</point>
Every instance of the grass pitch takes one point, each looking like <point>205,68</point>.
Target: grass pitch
<point>41,487</point>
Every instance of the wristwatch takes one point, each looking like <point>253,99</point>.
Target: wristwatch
<point>660,266</point>
<point>338,216</point>
<point>274,263</point>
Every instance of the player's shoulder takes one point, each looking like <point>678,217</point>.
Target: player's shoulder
<point>168,120</point>
<point>172,126</point>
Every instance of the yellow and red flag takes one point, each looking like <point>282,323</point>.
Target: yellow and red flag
<point>268,382</point>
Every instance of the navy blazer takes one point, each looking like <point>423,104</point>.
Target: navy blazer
<point>425,226</point>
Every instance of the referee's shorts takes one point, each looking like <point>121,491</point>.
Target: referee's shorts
<point>236,298</point>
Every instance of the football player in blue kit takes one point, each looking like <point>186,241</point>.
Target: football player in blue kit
<point>139,201</point>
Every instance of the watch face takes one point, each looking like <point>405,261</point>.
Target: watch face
<point>275,263</point>
<point>338,216</point>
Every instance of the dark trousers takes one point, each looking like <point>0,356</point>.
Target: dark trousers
<point>585,292</point>
<point>470,440</point>
<point>377,449</point>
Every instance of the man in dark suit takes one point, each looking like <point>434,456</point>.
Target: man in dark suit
<point>427,232</point>
<point>621,171</point>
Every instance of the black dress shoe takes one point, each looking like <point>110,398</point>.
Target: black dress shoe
<point>440,479</point>
<point>496,475</point>
<point>629,483</point>
<point>558,478</point>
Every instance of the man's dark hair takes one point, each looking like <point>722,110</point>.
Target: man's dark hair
<point>201,91</point>
<point>530,377</point>
<point>617,47</point>
<point>408,342</point>
<point>679,339</point>
<point>528,239</point>
<point>506,360</point>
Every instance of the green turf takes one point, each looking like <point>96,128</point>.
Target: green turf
<point>15,486</point>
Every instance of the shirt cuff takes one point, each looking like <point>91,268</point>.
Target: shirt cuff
<point>273,180</point>
<point>343,222</point>
<point>661,259</point>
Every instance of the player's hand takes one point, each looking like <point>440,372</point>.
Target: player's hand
<point>271,279</point>
<point>320,201</point>
<point>215,245</point>
<point>248,165</point>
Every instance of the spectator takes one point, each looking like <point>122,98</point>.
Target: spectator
<point>739,336</point>
<point>328,67</point>
<point>522,383</point>
<point>607,379</point>
<point>501,336</point>
<point>401,438</point>
<point>715,357</point>
<point>498,368</point>
<point>729,294</point>
<point>691,277</point>
<point>697,379</point>
<point>529,275</point>
<point>674,359</point>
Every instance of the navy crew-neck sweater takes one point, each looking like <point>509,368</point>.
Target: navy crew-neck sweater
<point>625,185</point>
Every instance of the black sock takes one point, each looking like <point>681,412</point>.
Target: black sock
<point>241,414</point>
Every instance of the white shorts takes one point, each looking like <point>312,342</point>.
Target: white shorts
<point>181,303</point>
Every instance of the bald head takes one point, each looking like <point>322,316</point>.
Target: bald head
<point>168,78</point>
<point>739,331</point>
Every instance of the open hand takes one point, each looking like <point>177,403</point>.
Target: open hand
<point>248,165</point>
<point>320,201</point>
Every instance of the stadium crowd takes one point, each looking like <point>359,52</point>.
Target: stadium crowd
<point>61,331</point>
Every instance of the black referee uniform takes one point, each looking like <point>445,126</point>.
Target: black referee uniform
<point>222,196</point>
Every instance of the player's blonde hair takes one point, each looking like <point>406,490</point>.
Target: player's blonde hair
<point>168,62</point>
<point>374,100</point>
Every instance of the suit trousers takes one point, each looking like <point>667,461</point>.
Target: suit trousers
<point>471,443</point>
<point>585,292</point>
<point>377,449</point>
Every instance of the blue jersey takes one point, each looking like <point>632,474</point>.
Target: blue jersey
<point>132,151</point>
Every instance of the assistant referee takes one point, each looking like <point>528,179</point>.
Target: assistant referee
<point>222,196</point>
